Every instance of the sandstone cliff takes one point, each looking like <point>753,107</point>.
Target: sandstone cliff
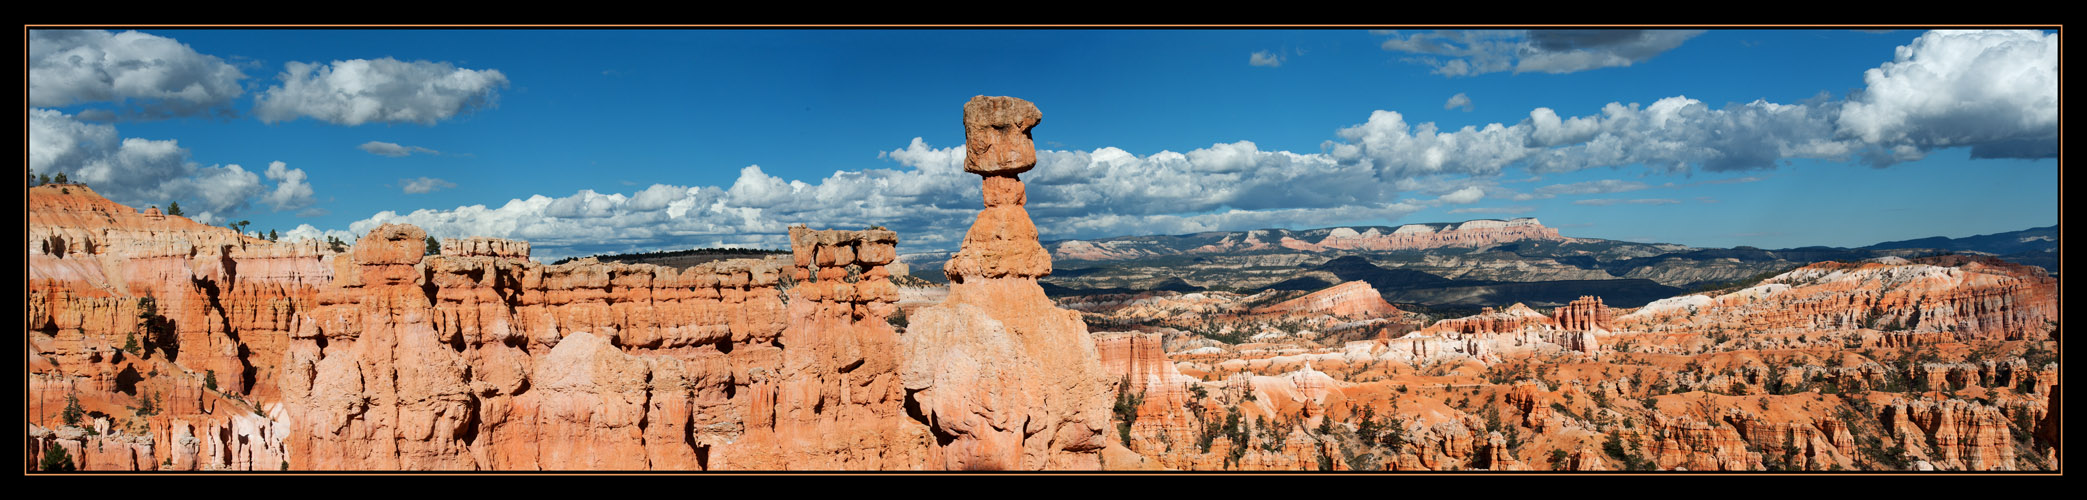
<point>380,358</point>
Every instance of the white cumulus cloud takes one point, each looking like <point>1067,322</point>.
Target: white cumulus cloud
<point>1458,101</point>
<point>144,172</point>
<point>291,190</point>
<point>424,185</point>
<point>152,76</point>
<point>394,150</point>
<point>1996,91</point>
<point>358,91</point>
<point>1463,196</point>
<point>1399,149</point>
<point>1265,58</point>
<point>306,231</point>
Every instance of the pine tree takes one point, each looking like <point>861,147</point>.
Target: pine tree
<point>271,235</point>
<point>149,405</point>
<point>210,379</point>
<point>61,178</point>
<point>55,459</point>
<point>130,344</point>
<point>434,246</point>
<point>174,208</point>
<point>72,414</point>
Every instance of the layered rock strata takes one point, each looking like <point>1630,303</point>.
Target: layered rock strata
<point>377,357</point>
<point>1928,300</point>
<point>480,359</point>
<point>1350,299</point>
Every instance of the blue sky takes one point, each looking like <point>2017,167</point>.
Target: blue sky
<point>618,140</point>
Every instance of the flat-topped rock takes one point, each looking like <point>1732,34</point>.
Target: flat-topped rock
<point>996,135</point>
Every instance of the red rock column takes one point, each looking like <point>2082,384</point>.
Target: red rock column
<point>1003,242</point>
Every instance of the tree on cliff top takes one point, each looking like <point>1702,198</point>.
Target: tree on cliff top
<point>174,208</point>
<point>434,246</point>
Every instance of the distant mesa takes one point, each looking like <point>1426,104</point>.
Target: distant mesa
<point>1350,299</point>
<point>1468,234</point>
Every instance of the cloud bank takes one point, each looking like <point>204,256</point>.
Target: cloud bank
<point>1072,194</point>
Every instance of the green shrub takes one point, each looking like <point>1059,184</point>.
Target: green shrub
<point>897,319</point>
<point>1625,459</point>
<point>149,405</point>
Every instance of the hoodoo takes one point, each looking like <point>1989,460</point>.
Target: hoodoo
<point>1006,379</point>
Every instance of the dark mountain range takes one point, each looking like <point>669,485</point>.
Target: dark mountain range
<point>2034,246</point>
<point>1455,265</point>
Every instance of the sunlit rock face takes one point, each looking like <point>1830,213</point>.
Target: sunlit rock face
<point>380,356</point>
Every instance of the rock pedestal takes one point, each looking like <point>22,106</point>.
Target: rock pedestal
<point>1005,378</point>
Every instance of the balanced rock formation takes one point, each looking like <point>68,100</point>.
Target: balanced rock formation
<point>1005,378</point>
